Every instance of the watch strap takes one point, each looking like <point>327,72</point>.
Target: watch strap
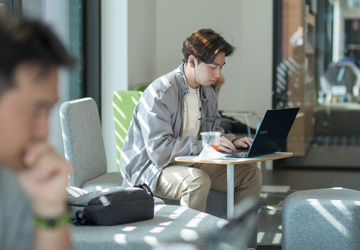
<point>51,223</point>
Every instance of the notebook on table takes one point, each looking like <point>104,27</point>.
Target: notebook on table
<point>271,135</point>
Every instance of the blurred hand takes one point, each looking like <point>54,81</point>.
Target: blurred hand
<point>219,82</point>
<point>44,179</point>
<point>226,145</point>
<point>243,142</point>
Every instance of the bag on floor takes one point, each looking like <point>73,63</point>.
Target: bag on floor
<point>111,206</point>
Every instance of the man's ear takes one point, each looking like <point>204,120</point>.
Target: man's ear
<point>191,61</point>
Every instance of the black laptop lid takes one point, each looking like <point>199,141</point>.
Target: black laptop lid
<point>273,131</point>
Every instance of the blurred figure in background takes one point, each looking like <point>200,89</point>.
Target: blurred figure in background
<point>349,56</point>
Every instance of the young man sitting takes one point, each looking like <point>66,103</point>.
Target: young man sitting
<point>167,121</point>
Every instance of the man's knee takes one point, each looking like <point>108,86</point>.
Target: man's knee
<point>198,181</point>
<point>196,190</point>
<point>256,178</point>
<point>257,175</point>
<point>251,176</point>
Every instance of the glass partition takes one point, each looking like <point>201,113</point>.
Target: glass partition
<point>318,70</point>
<point>2,7</point>
<point>66,19</point>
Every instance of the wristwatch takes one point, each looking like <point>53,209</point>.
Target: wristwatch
<point>51,223</point>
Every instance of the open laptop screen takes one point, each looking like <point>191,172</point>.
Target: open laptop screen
<point>272,133</point>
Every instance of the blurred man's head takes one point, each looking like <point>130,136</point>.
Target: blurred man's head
<point>30,55</point>
<point>349,53</point>
<point>206,50</point>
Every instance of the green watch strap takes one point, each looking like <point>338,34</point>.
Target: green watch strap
<point>51,223</point>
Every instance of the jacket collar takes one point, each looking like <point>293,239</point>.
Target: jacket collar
<point>185,87</point>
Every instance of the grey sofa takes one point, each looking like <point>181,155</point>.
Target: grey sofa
<point>84,150</point>
<point>171,224</point>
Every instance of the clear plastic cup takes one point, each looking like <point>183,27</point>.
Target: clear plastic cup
<point>211,138</point>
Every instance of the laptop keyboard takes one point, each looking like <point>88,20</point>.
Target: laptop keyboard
<point>236,155</point>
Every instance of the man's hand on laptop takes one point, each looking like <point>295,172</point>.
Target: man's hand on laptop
<point>243,142</point>
<point>226,145</point>
<point>229,147</point>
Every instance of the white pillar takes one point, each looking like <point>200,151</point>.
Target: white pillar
<point>114,67</point>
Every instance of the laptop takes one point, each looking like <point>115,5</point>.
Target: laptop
<point>271,135</point>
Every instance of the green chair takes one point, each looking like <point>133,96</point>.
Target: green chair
<point>124,103</point>
<point>141,87</point>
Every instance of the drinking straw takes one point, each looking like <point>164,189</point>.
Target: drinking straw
<point>212,122</point>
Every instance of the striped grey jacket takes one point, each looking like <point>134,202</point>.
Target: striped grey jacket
<point>154,136</point>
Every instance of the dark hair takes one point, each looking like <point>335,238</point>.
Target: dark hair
<point>205,44</point>
<point>348,52</point>
<point>24,41</point>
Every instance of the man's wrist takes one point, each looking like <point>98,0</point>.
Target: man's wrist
<point>51,223</point>
<point>53,210</point>
<point>233,141</point>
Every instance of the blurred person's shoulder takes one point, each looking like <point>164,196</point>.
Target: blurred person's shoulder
<point>15,214</point>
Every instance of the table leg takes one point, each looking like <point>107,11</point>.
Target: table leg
<point>230,191</point>
<point>259,165</point>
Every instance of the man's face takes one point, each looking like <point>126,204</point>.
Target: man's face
<point>207,74</point>
<point>24,112</point>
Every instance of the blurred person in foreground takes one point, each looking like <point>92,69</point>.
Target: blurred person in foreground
<point>33,177</point>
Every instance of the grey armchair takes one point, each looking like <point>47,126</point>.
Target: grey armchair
<point>84,146</point>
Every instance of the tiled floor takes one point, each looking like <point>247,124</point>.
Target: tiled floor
<point>269,229</point>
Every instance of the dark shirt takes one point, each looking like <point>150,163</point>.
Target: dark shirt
<point>349,59</point>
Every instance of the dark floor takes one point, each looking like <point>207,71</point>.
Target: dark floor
<point>329,152</point>
<point>269,229</point>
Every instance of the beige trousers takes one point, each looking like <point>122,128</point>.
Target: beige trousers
<point>191,184</point>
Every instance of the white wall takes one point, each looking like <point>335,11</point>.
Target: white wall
<point>245,24</point>
<point>256,57</point>
<point>114,67</point>
<point>141,42</point>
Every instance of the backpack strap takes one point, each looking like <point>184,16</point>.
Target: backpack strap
<point>80,219</point>
<point>146,188</point>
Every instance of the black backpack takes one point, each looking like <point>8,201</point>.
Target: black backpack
<point>110,206</point>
